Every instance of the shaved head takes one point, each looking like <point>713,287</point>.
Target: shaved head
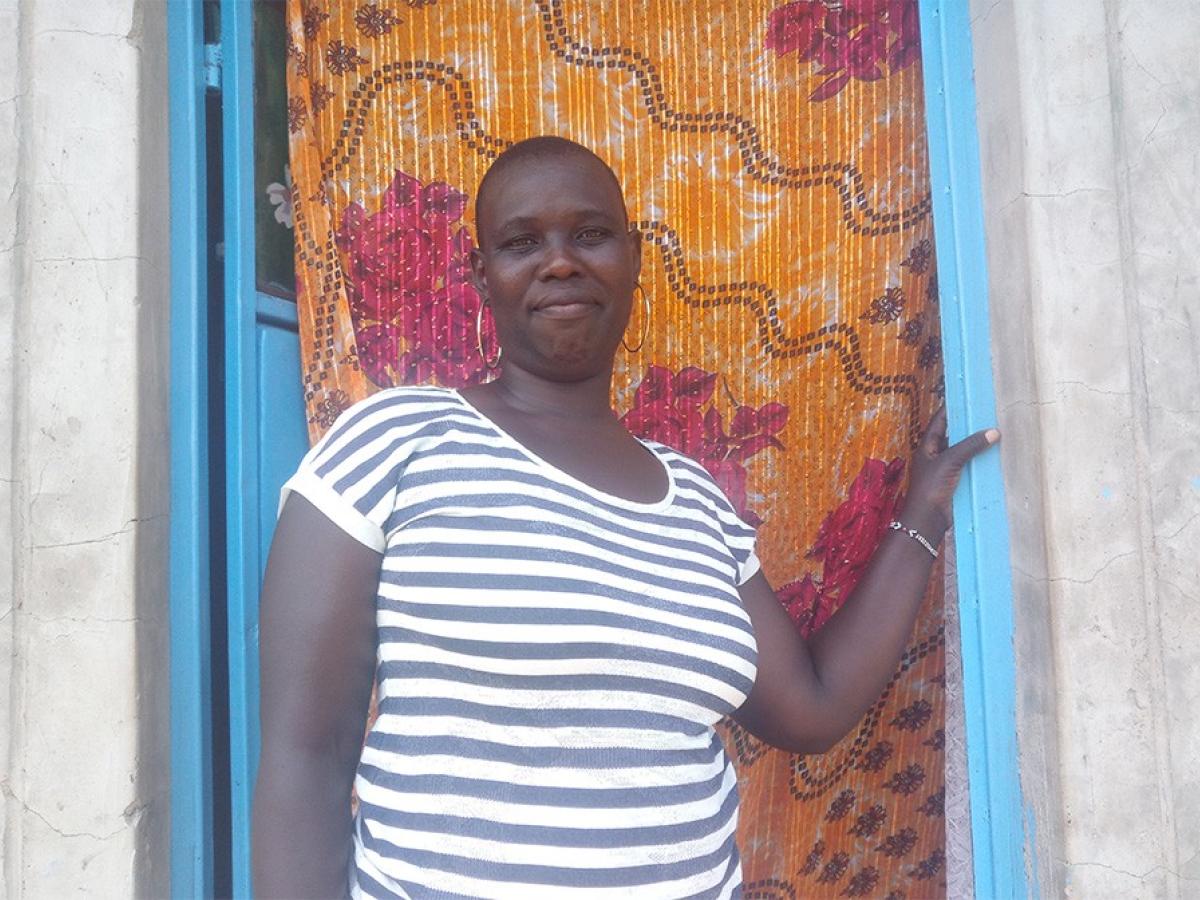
<point>532,151</point>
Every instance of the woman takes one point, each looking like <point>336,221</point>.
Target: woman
<point>558,611</point>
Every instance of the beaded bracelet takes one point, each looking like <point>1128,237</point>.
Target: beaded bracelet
<point>897,525</point>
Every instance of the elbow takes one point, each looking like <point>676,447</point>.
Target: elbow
<point>813,739</point>
<point>807,726</point>
<point>806,741</point>
<point>815,745</point>
<point>830,734</point>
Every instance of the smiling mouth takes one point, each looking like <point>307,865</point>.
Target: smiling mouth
<point>566,309</point>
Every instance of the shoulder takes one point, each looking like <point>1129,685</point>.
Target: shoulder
<point>388,425</point>
<point>394,410</point>
<point>691,477</point>
<point>704,499</point>
<point>401,401</point>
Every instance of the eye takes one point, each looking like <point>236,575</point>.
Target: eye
<point>593,234</point>
<point>520,242</point>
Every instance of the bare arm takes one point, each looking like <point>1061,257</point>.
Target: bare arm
<point>317,663</point>
<point>809,695</point>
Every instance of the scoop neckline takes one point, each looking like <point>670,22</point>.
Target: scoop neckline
<point>567,478</point>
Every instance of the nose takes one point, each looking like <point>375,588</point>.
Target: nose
<point>559,260</point>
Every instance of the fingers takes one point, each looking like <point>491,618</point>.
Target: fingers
<point>934,441</point>
<point>973,445</point>
<point>934,438</point>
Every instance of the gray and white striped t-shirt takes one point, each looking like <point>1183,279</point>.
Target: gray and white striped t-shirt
<point>552,660</point>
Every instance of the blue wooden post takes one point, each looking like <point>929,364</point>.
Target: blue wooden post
<point>190,668</point>
<point>981,527</point>
<point>266,435</point>
<point>266,431</point>
<point>241,425</point>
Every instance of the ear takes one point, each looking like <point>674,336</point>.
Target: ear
<point>635,248</point>
<point>479,272</point>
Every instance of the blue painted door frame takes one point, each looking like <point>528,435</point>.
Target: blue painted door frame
<point>264,435</point>
<point>190,666</point>
<point>265,430</point>
<point>981,526</point>
<point>263,423</point>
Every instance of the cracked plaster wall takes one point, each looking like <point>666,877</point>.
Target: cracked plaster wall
<point>83,448</point>
<point>8,282</point>
<point>1088,115</point>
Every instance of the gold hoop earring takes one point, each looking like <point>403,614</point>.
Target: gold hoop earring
<point>491,364</point>
<point>645,321</point>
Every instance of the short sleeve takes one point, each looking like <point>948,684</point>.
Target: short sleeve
<point>740,539</point>
<point>749,568</point>
<point>736,534</point>
<point>351,474</point>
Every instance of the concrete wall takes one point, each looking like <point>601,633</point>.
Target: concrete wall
<point>83,448</point>
<point>9,283</point>
<point>1089,115</point>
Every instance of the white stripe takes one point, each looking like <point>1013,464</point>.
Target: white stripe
<point>533,814</point>
<point>537,855</point>
<point>561,737</point>
<point>466,493</point>
<point>403,651</point>
<point>483,565</point>
<point>561,634</point>
<point>520,536</point>
<point>454,882</point>
<point>507,698</point>
<point>648,777</point>
<point>548,598</point>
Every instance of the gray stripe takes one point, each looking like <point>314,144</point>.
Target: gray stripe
<point>731,871</point>
<point>700,481</point>
<point>582,561</point>
<point>633,719</point>
<point>625,684</point>
<point>542,617</point>
<point>588,506</point>
<point>537,479</point>
<point>372,470</point>
<point>566,650</point>
<point>472,526</point>
<point>553,836</point>
<point>490,870</point>
<point>350,435</point>
<point>610,527</point>
<point>582,758</point>
<point>452,786</point>
<point>374,889</point>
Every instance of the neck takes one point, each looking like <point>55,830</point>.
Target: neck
<point>524,392</point>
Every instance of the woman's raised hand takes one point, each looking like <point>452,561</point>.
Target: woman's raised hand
<point>934,475</point>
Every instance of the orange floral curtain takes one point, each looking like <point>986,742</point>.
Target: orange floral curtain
<point>773,156</point>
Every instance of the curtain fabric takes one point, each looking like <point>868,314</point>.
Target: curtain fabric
<point>773,157</point>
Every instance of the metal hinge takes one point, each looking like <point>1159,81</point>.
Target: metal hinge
<point>212,66</point>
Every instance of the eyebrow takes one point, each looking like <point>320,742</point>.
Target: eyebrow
<point>518,222</point>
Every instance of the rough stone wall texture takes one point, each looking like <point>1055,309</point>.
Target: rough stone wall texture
<point>8,285</point>
<point>83,447</point>
<point>1089,115</point>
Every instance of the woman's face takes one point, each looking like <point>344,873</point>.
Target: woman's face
<point>558,264</point>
